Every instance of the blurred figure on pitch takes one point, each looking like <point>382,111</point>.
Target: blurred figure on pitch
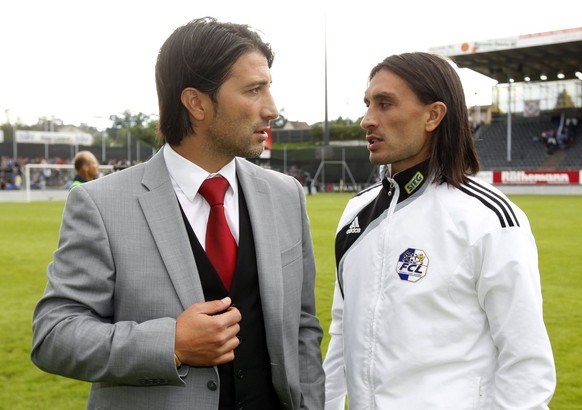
<point>437,300</point>
<point>86,168</point>
<point>308,183</point>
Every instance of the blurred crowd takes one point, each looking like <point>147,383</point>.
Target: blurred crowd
<point>12,172</point>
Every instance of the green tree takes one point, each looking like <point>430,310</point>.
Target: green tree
<point>140,126</point>
<point>339,130</point>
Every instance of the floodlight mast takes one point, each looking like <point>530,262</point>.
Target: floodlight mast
<point>326,121</point>
<point>509,81</point>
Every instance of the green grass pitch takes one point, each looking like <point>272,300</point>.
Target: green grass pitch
<point>29,236</point>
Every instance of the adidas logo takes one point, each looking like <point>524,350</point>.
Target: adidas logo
<point>354,227</point>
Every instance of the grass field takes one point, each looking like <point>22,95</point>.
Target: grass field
<point>29,236</point>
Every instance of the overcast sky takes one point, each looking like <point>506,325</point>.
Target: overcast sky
<point>81,61</point>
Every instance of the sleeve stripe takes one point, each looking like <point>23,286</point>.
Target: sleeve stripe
<point>492,200</point>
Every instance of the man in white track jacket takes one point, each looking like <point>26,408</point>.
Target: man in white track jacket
<point>437,302</point>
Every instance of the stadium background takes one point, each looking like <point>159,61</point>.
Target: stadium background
<point>32,230</point>
<point>539,88</point>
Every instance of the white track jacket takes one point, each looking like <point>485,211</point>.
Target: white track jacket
<point>437,302</point>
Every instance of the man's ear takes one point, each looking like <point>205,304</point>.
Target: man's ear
<point>437,111</point>
<point>193,100</point>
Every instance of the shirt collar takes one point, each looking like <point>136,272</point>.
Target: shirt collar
<point>189,176</point>
<point>411,179</point>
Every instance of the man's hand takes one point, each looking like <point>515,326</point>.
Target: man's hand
<point>206,333</point>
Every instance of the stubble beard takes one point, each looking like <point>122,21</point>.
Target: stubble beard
<point>226,140</point>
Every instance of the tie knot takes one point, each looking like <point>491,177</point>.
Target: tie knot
<point>213,190</point>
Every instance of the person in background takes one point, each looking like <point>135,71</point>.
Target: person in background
<point>437,302</point>
<point>86,168</point>
<point>308,182</point>
<point>142,301</point>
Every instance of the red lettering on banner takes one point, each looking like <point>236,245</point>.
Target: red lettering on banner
<point>536,177</point>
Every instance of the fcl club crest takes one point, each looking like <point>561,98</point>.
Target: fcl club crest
<point>412,265</point>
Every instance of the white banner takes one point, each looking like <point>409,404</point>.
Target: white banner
<point>46,137</point>
<point>508,43</point>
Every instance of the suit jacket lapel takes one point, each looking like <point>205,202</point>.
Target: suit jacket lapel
<point>162,213</point>
<point>258,195</point>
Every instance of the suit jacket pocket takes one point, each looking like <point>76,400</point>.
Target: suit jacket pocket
<point>291,254</point>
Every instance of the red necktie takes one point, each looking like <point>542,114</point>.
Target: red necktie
<point>221,247</point>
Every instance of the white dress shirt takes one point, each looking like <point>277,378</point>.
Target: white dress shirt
<point>186,180</point>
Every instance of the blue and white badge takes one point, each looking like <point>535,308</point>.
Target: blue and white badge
<point>412,265</point>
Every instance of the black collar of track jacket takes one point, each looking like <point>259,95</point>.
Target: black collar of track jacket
<point>409,181</point>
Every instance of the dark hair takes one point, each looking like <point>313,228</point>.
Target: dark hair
<point>199,54</point>
<point>432,78</point>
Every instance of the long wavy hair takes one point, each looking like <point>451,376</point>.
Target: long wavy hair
<point>433,78</point>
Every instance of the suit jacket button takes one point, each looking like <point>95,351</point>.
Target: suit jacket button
<point>240,374</point>
<point>212,385</point>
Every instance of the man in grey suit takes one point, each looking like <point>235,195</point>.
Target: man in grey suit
<point>133,302</point>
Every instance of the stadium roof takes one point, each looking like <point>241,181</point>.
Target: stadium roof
<point>554,54</point>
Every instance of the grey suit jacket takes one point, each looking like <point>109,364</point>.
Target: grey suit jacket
<point>124,270</point>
